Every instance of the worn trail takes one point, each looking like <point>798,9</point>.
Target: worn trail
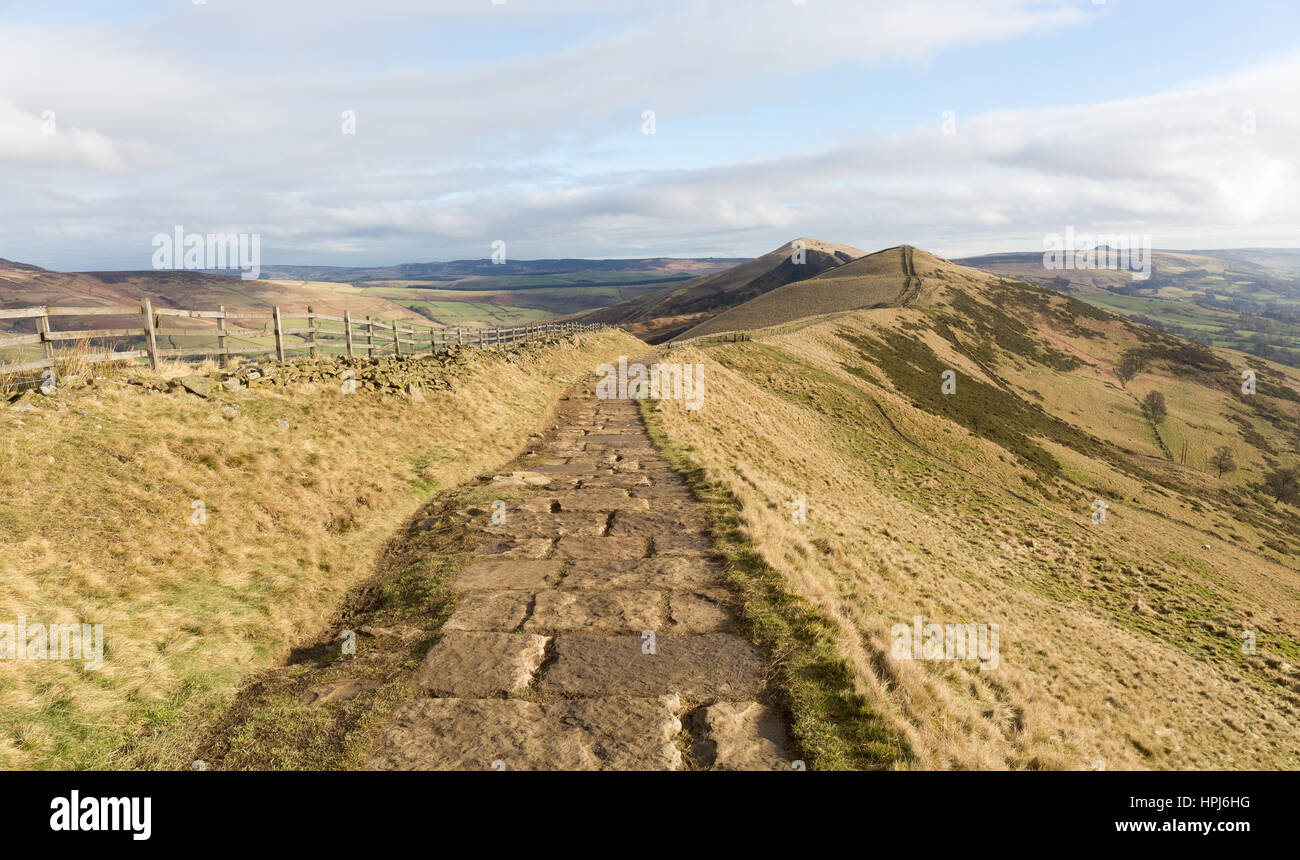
<point>593,629</point>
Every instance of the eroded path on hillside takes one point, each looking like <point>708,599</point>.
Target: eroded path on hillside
<point>593,629</point>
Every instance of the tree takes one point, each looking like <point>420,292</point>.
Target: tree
<point>1223,460</point>
<point>1131,364</point>
<point>1284,484</point>
<point>1155,404</point>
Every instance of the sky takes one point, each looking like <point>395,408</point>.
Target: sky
<point>390,131</point>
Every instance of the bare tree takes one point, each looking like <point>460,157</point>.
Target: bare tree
<point>1284,484</point>
<point>1223,460</point>
<point>1131,364</point>
<point>1155,404</point>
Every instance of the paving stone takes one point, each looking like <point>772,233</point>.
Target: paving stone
<point>623,482</point>
<point>509,573</point>
<point>630,467</point>
<point>523,479</point>
<point>612,548</point>
<point>706,611</point>
<point>529,523</point>
<point>709,666</point>
<point>739,736</point>
<point>682,544</point>
<point>571,469</point>
<point>336,691</point>
<point>663,494</point>
<point>534,548</point>
<point>682,574</point>
<point>659,523</point>
<point>597,611</point>
<point>479,665</point>
<point>616,733</point>
<point>616,438</point>
<point>489,610</point>
<point>597,499</point>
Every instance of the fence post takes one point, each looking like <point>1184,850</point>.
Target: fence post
<point>221,336</point>
<point>397,342</point>
<point>370,337</point>
<point>347,330</point>
<point>43,326</point>
<point>150,338</point>
<point>433,346</point>
<point>460,336</point>
<point>279,336</point>
<point>311,331</point>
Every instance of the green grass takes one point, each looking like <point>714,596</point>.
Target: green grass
<point>832,723</point>
<point>268,729</point>
<point>1215,326</point>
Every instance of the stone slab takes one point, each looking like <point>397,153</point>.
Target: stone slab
<point>596,611</point>
<point>534,548</point>
<point>506,573</point>
<point>739,736</point>
<point>678,574</point>
<point>705,667</point>
<point>617,733</point>
<point>700,612</point>
<point>502,611</point>
<point>611,548</point>
<point>479,665</point>
<point>526,523</point>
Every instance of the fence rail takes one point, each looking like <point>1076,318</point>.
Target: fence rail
<point>717,337</point>
<point>341,335</point>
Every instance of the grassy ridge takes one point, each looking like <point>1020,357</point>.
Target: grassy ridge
<point>975,507</point>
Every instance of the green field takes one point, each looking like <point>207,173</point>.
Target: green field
<point>514,299</point>
<point>1271,338</point>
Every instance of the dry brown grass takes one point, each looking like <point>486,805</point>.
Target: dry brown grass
<point>96,526</point>
<point>1119,644</point>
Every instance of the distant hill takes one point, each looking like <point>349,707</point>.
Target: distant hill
<point>1246,299</point>
<point>953,454</point>
<point>661,315</point>
<point>485,268</point>
<point>886,278</point>
<point>22,285</point>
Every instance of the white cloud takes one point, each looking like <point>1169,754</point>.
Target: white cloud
<point>31,139</point>
<point>226,116</point>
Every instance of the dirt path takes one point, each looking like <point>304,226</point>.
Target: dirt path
<point>593,630</point>
<point>911,282</point>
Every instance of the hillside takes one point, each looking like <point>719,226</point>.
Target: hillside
<point>1244,299</point>
<point>459,270</point>
<point>877,280</point>
<point>28,286</point>
<point>511,292</point>
<point>665,314</point>
<point>1122,643</point>
<point>300,487</point>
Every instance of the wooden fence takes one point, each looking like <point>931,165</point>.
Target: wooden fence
<point>340,335</point>
<point>705,339</point>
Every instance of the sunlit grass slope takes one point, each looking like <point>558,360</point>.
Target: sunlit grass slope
<point>300,489</point>
<point>1121,644</point>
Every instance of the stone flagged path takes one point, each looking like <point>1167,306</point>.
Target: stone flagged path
<point>593,630</point>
